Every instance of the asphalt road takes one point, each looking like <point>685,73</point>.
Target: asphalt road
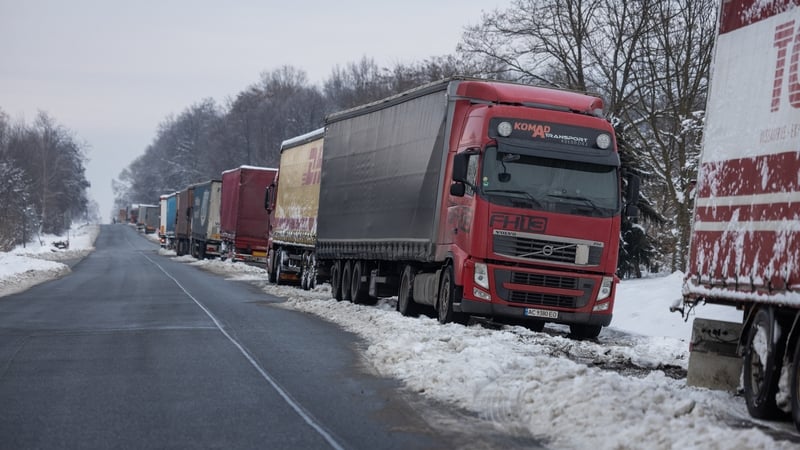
<point>134,350</point>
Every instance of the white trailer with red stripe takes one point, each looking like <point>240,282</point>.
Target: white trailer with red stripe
<point>745,249</point>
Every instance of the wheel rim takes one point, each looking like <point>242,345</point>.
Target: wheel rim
<point>444,299</point>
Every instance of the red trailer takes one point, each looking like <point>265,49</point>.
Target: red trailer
<point>745,249</point>
<point>243,218</point>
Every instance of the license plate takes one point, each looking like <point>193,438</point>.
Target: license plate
<point>547,314</point>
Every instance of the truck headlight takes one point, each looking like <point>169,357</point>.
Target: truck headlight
<point>481,277</point>
<point>605,288</point>
<point>504,129</point>
<point>603,141</point>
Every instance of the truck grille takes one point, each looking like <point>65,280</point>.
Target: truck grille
<point>550,281</point>
<point>538,248</point>
<point>534,298</point>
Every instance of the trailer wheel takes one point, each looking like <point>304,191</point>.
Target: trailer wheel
<point>304,279</point>
<point>359,292</point>
<point>405,297</point>
<point>347,278</point>
<point>761,366</point>
<point>278,265</point>
<point>447,294</point>
<point>336,280</point>
<point>794,388</point>
<point>311,270</point>
<point>271,266</point>
<point>304,273</point>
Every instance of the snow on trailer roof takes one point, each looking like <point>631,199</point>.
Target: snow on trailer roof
<point>302,139</point>
<point>266,169</point>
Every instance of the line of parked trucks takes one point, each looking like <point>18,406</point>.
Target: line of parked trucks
<point>505,201</point>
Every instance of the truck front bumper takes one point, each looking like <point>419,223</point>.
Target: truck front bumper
<point>479,308</point>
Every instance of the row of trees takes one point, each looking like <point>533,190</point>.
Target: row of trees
<point>42,179</point>
<point>648,59</point>
<point>207,138</point>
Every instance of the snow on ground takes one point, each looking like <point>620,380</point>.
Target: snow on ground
<point>619,392</point>
<point>40,260</point>
<point>547,385</point>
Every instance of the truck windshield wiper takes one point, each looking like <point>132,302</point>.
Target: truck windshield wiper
<point>511,191</point>
<point>586,200</point>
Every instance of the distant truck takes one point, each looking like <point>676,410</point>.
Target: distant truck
<point>151,217</point>
<point>168,204</point>
<point>206,238</point>
<point>243,218</point>
<point>745,244</point>
<point>122,216</point>
<point>183,221</point>
<point>294,202</point>
<point>147,218</point>
<point>478,198</point>
<point>133,214</point>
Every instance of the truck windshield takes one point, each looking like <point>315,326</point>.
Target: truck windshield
<point>555,185</point>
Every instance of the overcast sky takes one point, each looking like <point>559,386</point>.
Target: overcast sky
<point>111,71</point>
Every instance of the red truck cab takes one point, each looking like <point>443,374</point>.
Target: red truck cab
<point>534,214</point>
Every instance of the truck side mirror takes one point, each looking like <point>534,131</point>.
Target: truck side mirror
<point>268,193</point>
<point>458,189</point>
<point>460,167</point>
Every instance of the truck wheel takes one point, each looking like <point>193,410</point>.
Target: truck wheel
<point>761,366</point>
<point>347,278</point>
<point>447,293</point>
<point>405,298</point>
<point>312,272</point>
<point>336,280</point>
<point>304,279</point>
<point>583,331</point>
<point>308,279</point>
<point>271,266</point>
<point>794,388</point>
<point>359,292</point>
<point>278,281</point>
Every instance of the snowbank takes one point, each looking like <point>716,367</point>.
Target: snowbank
<point>40,260</point>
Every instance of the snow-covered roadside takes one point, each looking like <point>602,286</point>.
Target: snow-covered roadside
<point>545,384</point>
<point>39,261</point>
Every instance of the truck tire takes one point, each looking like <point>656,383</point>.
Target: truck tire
<point>447,294</point>
<point>280,256</point>
<point>359,291</point>
<point>580,331</point>
<point>794,385</point>
<point>761,363</point>
<point>405,297</point>
<point>336,280</point>
<point>271,266</point>
<point>347,278</point>
<point>308,277</point>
